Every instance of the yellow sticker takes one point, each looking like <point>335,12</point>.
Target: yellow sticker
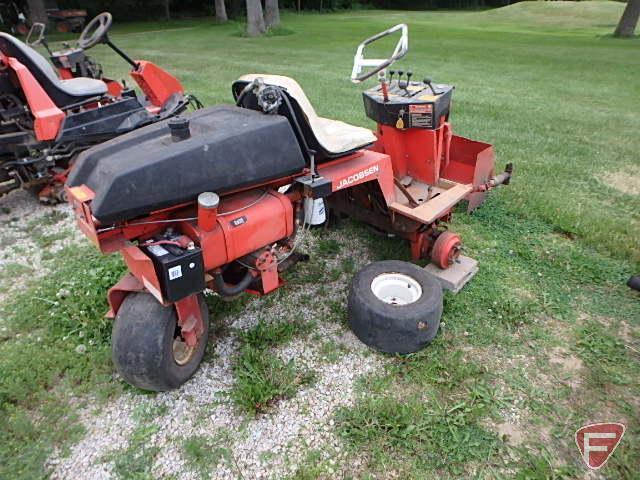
<point>400,123</point>
<point>428,98</point>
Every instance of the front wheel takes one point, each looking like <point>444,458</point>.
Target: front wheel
<point>146,345</point>
<point>395,307</point>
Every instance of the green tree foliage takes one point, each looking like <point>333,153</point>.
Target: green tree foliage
<point>124,10</point>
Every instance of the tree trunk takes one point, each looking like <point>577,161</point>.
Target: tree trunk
<point>255,20</point>
<point>272,13</point>
<point>167,9</point>
<point>221,11</point>
<point>629,19</point>
<point>37,12</point>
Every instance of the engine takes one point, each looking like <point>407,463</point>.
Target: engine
<point>241,225</point>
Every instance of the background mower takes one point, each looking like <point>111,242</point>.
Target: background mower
<point>215,200</point>
<point>13,18</point>
<point>47,118</point>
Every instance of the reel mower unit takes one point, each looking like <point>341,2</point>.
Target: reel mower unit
<point>48,116</point>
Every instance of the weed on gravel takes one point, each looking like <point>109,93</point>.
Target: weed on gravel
<point>202,453</point>
<point>261,378</point>
<point>136,460</point>
<point>313,467</point>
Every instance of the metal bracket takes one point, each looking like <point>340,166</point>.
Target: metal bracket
<point>190,319</point>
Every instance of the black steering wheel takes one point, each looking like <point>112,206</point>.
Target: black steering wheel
<point>96,31</point>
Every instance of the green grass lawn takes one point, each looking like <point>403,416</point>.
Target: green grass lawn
<point>547,332</point>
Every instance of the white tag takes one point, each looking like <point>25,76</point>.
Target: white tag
<point>175,272</point>
<point>157,250</point>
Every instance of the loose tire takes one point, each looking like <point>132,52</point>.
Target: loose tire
<point>146,347</point>
<point>395,307</point>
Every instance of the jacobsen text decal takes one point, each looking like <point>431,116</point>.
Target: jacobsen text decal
<point>356,177</point>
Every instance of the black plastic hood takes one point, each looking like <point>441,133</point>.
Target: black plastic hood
<point>226,148</point>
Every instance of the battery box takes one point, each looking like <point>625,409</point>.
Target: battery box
<point>180,271</point>
<point>416,106</point>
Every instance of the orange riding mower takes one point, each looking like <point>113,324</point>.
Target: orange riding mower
<point>215,201</point>
<point>49,116</point>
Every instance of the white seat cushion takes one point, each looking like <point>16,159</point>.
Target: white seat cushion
<point>83,86</point>
<point>334,136</point>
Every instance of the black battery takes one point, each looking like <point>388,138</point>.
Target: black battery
<point>180,271</point>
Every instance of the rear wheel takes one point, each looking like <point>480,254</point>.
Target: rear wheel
<point>147,348</point>
<point>395,307</point>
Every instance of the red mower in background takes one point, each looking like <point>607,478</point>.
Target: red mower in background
<point>48,117</point>
<point>216,200</point>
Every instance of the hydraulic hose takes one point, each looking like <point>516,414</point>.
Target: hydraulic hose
<point>229,290</point>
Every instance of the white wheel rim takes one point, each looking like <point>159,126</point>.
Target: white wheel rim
<point>396,288</point>
<point>182,353</point>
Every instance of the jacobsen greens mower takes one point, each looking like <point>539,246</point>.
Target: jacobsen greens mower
<point>48,117</point>
<point>214,201</point>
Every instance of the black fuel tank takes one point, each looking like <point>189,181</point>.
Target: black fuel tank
<point>145,170</point>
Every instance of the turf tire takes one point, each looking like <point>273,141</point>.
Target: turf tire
<point>142,344</point>
<point>394,328</point>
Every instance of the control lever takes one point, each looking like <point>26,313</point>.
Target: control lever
<point>409,75</point>
<point>427,82</point>
<point>391,74</point>
<point>383,86</point>
<point>403,84</point>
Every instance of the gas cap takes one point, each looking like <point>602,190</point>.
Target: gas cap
<point>179,128</point>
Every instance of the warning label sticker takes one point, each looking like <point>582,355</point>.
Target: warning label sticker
<point>421,108</point>
<point>421,120</point>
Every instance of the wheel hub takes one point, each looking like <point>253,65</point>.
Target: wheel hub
<point>182,352</point>
<point>396,288</point>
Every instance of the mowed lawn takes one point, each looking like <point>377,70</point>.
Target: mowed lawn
<point>545,339</point>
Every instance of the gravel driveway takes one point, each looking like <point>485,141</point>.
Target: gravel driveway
<point>270,445</point>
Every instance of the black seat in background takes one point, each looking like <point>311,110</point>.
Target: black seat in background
<point>61,94</point>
